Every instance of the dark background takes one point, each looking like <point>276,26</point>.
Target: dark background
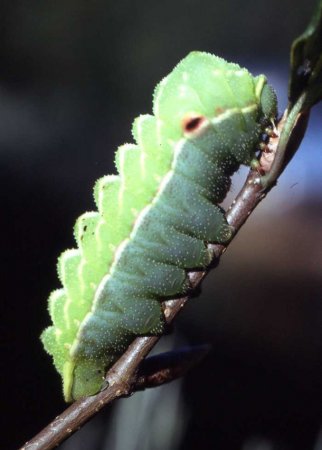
<point>73,75</point>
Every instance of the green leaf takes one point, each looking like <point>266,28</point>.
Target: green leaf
<point>306,62</point>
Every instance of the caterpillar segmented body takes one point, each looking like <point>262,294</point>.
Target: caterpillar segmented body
<point>155,217</point>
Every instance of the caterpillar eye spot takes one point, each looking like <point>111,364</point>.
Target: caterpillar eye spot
<point>191,124</point>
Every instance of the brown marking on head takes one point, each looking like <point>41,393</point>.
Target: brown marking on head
<point>192,123</point>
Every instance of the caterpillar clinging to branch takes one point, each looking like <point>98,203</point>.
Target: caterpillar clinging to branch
<point>155,217</point>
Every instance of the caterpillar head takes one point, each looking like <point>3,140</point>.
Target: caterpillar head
<point>267,100</point>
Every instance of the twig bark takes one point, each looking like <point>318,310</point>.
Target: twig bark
<point>123,378</point>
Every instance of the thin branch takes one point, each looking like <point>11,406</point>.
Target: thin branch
<point>166,367</point>
<point>292,128</point>
<point>123,377</point>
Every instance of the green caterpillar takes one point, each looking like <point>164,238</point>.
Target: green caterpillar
<point>155,217</point>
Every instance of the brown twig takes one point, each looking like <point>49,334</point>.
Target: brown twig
<point>165,367</point>
<point>123,377</point>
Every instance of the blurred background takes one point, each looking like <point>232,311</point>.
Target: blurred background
<point>73,75</point>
